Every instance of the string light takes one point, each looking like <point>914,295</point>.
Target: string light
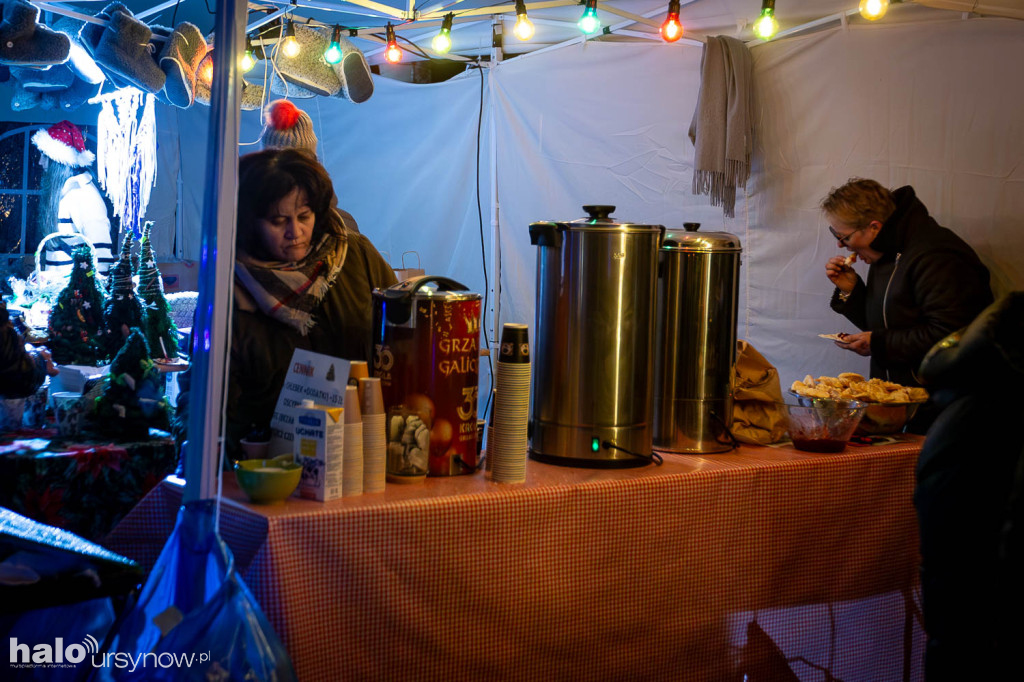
<point>873,10</point>
<point>589,22</point>
<point>205,73</point>
<point>523,28</point>
<point>248,59</point>
<point>332,55</point>
<point>672,30</point>
<point>291,45</point>
<point>766,26</point>
<point>442,42</point>
<point>392,53</point>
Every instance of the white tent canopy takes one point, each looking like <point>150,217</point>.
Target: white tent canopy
<point>935,103</point>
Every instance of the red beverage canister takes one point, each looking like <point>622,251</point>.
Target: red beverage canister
<point>426,354</point>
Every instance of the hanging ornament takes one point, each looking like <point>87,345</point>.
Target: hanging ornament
<point>126,154</point>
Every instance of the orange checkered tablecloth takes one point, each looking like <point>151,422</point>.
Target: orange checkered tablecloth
<point>653,573</point>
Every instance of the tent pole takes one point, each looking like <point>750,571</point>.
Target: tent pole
<point>213,309</point>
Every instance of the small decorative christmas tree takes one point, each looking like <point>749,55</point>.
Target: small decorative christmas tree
<point>76,321</point>
<point>123,311</point>
<point>161,332</point>
<point>132,399</point>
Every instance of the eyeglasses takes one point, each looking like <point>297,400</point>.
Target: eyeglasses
<point>843,239</point>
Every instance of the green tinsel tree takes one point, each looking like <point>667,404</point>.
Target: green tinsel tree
<point>132,399</point>
<point>76,320</point>
<point>161,332</point>
<point>123,311</point>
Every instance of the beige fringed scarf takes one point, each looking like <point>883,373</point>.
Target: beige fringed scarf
<point>288,292</point>
<point>722,126</point>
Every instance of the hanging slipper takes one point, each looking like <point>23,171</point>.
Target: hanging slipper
<point>23,42</point>
<point>354,73</point>
<point>22,99</point>
<point>79,60</point>
<point>80,92</point>
<point>308,69</point>
<point>125,50</point>
<point>49,101</point>
<point>279,86</point>
<point>91,34</point>
<point>252,96</point>
<point>180,60</point>
<point>52,79</point>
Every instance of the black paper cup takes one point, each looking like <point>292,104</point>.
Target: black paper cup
<point>515,344</point>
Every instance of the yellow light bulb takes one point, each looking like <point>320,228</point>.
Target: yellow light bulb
<point>873,10</point>
<point>523,28</point>
<point>290,47</point>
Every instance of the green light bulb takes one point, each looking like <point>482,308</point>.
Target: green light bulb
<point>589,22</point>
<point>332,55</point>
<point>766,26</point>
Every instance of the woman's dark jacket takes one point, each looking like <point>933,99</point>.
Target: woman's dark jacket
<point>261,347</point>
<point>927,284</point>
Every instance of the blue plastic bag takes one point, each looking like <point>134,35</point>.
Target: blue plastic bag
<point>195,618</point>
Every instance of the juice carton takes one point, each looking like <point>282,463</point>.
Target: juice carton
<point>320,448</point>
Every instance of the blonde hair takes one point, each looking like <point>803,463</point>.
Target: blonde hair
<point>859,202</point>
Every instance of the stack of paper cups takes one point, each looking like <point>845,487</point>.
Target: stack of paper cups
<point>507,444</point>
<point>358,369</point>
<point>352,470</point>
<point>375,435</point>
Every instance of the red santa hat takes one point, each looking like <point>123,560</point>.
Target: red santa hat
<point>63,142</point>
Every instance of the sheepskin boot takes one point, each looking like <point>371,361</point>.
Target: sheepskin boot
<point>279,86</point>
<point>22,99</point>
<point>91,34</point>
<point>23,42</point>
<point>80,92</point>
<point>125,50</point>
<point>180,60</point>
<point>252,96</point>
<point>53,79</point>
<point>308,69</point>
<point>354,73</point>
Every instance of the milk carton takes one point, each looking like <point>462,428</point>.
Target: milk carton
<point>320,448</point>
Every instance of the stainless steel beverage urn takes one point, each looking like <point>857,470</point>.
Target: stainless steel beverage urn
<point>695,340</point>
<point>594,356</point>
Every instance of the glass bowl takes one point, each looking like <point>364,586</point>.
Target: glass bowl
<point>879,418</point>
<point>824,425</point>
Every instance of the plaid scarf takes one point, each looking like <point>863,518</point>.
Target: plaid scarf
<point>288,292</point>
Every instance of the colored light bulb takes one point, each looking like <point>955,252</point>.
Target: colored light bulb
<point>442,42</point>
<point>766,26</point>
<point>332,55</point>
<point>248,60</point>
<point>392,53</point>
<point>589,22</point>
<point>671,30</point>
<point>873,10</point>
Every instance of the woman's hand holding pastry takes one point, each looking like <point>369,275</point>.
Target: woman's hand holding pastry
<point>839,272</point>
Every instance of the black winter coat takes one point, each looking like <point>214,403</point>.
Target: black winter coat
<point>261,347</point>
<point>928,284</point>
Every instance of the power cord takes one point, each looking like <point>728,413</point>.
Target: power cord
<point>653,457</point>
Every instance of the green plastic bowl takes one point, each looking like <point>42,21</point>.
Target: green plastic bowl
<point>268,481</point>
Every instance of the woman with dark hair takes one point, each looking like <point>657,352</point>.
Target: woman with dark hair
<point>302,280</point>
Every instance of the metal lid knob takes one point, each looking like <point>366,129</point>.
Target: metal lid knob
<point>599,212</point>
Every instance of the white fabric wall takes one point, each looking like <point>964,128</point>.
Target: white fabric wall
<point>937,105</point>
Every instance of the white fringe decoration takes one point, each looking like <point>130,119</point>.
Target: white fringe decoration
<point>126,154</point>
